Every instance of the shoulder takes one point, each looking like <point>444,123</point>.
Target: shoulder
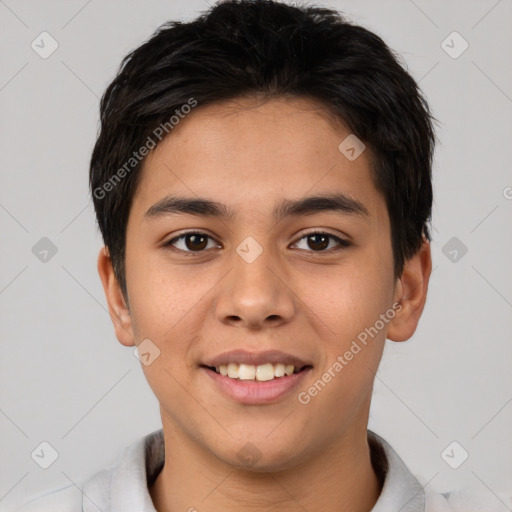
<point>123,486</point>
<point>402,488</point>
<point>65,499</point>
<point>73,498</point>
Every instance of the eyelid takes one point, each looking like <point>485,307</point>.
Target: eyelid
<point>323,231</point>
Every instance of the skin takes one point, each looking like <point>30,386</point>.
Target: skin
<point>310,302</point>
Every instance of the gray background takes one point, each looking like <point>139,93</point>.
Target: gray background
<point>66,380</point>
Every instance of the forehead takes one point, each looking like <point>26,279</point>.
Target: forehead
<point>250,152</point>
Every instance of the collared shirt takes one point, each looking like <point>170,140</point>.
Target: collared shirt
<point>124,488</point>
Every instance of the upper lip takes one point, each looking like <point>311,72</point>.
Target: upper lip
<point>255,358</point>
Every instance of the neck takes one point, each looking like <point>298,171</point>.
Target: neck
<point>340,478</point>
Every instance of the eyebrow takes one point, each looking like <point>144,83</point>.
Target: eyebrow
<point>335,202</point>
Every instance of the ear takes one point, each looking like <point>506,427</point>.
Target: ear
<point>411,294</point>
<point>119,312</point>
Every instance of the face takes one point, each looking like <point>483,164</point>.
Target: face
<point>264,277</point>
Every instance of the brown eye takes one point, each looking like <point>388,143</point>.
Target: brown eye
<point>196,242</point>
<point>190,242</point>
<point>319,242</point>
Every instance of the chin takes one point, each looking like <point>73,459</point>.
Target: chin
<point>266,464</point>
<point>257,455</point>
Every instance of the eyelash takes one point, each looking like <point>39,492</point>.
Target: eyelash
<point>342,244</point>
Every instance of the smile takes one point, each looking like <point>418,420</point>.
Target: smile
<point>262,372</point>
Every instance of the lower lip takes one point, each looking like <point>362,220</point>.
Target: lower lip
<point>254,392</point>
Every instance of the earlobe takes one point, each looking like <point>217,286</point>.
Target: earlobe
<point>119,312</point>
<point>411,294</point>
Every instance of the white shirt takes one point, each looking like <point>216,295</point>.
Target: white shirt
<point>124,488</point>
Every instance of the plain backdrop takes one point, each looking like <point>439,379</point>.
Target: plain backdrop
<point>65,379</point>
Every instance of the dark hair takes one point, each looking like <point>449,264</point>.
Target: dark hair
<point>264,48</point>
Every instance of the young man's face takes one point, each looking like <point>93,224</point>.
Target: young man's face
<point>256,282</point>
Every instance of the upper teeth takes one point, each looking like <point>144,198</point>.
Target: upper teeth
<point>261,372</point>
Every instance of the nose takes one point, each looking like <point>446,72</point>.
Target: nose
<point>256,295</point>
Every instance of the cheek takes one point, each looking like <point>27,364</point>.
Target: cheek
<point>161,295</point>
<point>348,298</point>
<point>165,305</point>
<point>168,304</point>
<point>350,303</point>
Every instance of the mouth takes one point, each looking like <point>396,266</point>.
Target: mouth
<point>256,378</point>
